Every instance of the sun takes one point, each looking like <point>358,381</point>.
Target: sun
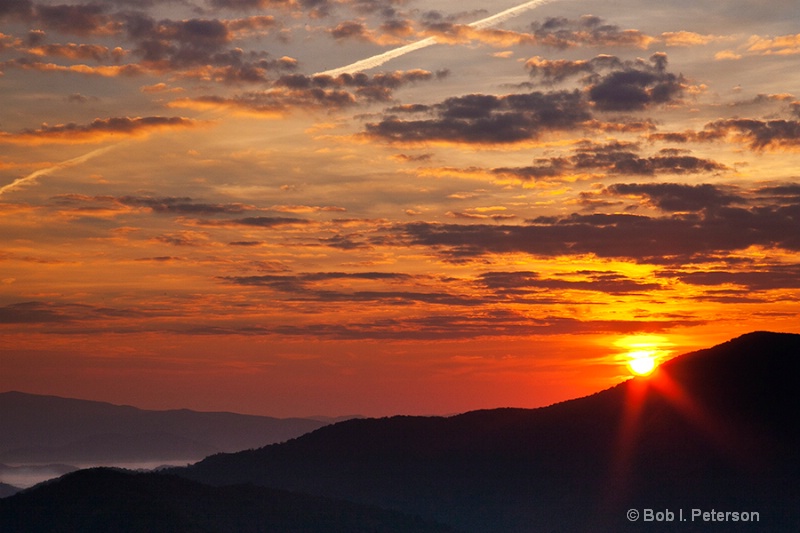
<point>642,362</point>
<point>642,353</point>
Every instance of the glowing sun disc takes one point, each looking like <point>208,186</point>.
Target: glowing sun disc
<point>642,364</point>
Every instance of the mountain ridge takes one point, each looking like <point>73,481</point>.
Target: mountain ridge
<point>713,426</point>
<point>711,430</point>
<point>116,500</point>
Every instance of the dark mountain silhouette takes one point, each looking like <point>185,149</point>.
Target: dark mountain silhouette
<point>7,490</point>
<point>715,430</point>
<point>49,429</point>
<point>114,501</point>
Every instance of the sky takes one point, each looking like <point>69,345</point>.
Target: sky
<point>378,207</point>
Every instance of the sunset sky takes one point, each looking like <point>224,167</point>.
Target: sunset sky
<point>193,215</point>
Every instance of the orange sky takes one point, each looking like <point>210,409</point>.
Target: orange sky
<point>190,217</point>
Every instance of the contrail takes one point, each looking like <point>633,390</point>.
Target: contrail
<point>380,59</point>
<point>45,171</point>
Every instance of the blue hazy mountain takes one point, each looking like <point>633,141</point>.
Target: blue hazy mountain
<point>38,429</point>
<point>7,490</point>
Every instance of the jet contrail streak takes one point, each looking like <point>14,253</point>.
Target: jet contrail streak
<point>45,171</point>
<point>507,14</point>
<point>380,59</point>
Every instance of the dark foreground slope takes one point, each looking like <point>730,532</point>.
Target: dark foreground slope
<point>48,429</point>
<point>715,429</point>
<point>112,501</point>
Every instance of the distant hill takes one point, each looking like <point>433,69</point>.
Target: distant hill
<point>16,477</point>
<point>115,501</point>
<point>47,429</point>
<point>715,430</point>
<point>7,490</point>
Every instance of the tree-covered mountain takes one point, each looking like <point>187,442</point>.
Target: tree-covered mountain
<point>711,430</point>
<point>115,501</point>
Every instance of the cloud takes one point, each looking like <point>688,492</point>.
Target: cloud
<point>316,287</point>
<point>485,325</point>
<point>781,45</point>
<point>352,29</point>
<point>97,130</point>
<point>588,159</point>
<point>16,9</point>
<point>166,45</point>
<point>95,52</point>
<point>756,278</point>
<point>67,318</point>
<point>292,283</point>
<point>195,47</point>
<point>522,283</point>
<point>31,312</point>
<point>627,163</point>
<point>298,91</point>
<point>311,8</point>
<point>77,19</point>
<point>452,34</point>
<point>109,71</point>
<point>758,134</point>
<point>9,42</point>
<point>307,208</point>
<point>555,32</point>
<point>762,99</point>
<point>471,215</point>
<point>687,38</point>
<point>623,236</point>
<point>757,45</point>
<point>37,312</point>
<point>557,70</point>
<point>637,87</point>
<point>250,5</point>
<point>622,158</point>
<point>384,7</point>
<point>161,205</point>
<point>184,238</point>
<point>160,88</point>
<point>257,222</point>
<point>727,55</point>
<point>513,118</point>
<point>789,192</point>
<point>397,28</point>
<point>487,119</point>
<point>589,30</point>
<point>677,197</point>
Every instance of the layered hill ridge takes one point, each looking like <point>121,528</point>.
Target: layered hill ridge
<point>714,428</point>
<point>50,429</point>
<point>711,431</point>
<point>114,501</point>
